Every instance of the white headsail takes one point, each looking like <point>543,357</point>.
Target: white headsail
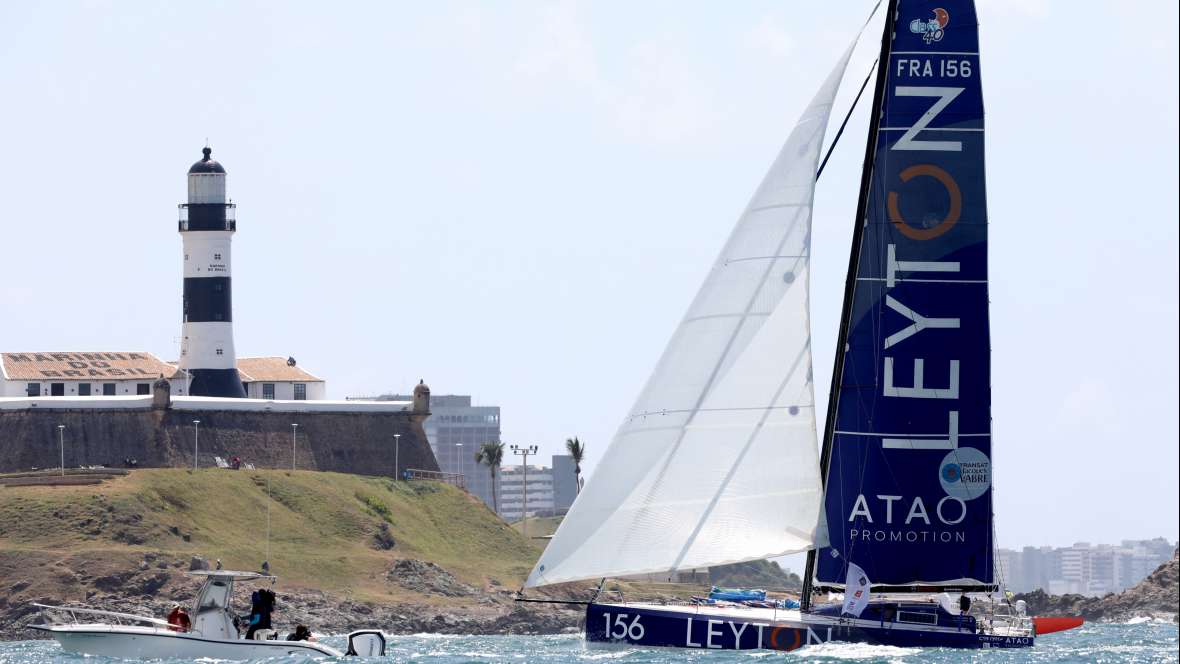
<point>718,461</point>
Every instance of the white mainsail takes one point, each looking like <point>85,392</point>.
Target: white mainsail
<point>718,461</point>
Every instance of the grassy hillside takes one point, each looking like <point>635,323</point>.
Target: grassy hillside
<point>537,526</point>
<point>325,527</point>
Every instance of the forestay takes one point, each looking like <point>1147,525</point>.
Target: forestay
<point>718,461</point>
<point>909,484</point>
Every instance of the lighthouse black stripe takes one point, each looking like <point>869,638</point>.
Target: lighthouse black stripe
<point>216,383</point>
<point>207,299</point>
<point>207,217</point>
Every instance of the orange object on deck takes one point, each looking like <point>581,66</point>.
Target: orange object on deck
<point>1050,624</point>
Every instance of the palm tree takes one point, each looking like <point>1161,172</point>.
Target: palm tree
<point>491,454</point>
<point>578,451</point>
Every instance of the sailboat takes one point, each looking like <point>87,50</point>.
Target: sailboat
<point>719,460</point>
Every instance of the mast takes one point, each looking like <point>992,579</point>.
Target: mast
<point>850,282</point>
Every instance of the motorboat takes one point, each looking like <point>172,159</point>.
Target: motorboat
<point>213,632</point>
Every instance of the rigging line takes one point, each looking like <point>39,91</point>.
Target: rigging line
<point>847,117</point>
<point>268,501</point>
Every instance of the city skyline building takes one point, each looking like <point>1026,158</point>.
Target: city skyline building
<point>1083,568</point>
<point>456,429</point>
<point>551,489</point>
<point>513,479</point>
<point>565,482</point>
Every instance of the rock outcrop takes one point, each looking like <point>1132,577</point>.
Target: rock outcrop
<point>755,574</point>
<point>426,577</point>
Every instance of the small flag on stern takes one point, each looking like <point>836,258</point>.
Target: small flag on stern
<point>856,591</point>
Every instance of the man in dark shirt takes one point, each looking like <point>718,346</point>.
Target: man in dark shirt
<point>964,608</point>
<point>262,604</point>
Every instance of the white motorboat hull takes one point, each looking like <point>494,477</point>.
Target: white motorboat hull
<point>130,642</point>
<point>213,633</point>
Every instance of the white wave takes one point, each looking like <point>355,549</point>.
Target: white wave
<point>595,655</point>
<point>600,650</point>
<point>1157,618</point>
<point>855,651</point>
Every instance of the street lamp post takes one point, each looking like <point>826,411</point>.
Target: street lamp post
<point>61,438</point>
<point>294,427</point>
<point>397,441</point>
<point>196,441</point>
<point>524,453</point>
<point>458,458</point>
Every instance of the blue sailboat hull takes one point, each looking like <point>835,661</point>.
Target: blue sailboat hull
<point>751,629</point>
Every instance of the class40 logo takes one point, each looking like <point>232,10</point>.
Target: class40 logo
<point>931,29</point>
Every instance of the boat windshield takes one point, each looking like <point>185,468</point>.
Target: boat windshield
<point>214,595</point>
<point>218,586</point>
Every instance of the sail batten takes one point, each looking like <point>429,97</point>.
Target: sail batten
<point>718,461</point>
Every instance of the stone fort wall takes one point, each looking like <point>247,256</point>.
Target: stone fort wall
<point>347,442</point>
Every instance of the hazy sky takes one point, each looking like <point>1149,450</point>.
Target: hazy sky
<point>517,200</point>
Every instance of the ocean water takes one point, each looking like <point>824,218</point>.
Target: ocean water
<point>1136,641</point>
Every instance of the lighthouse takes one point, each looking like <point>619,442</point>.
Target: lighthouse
<point>207,225</point>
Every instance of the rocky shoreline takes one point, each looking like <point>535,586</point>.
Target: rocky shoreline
<point>447,606</point>
<point>1157,596</point>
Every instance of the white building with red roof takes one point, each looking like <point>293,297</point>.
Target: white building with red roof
<point>130,373</point>
<point>279,378</point>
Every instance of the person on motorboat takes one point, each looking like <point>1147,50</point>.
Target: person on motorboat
<point>262,604</point>
<point>301,633</point>
<point>178,620</point>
